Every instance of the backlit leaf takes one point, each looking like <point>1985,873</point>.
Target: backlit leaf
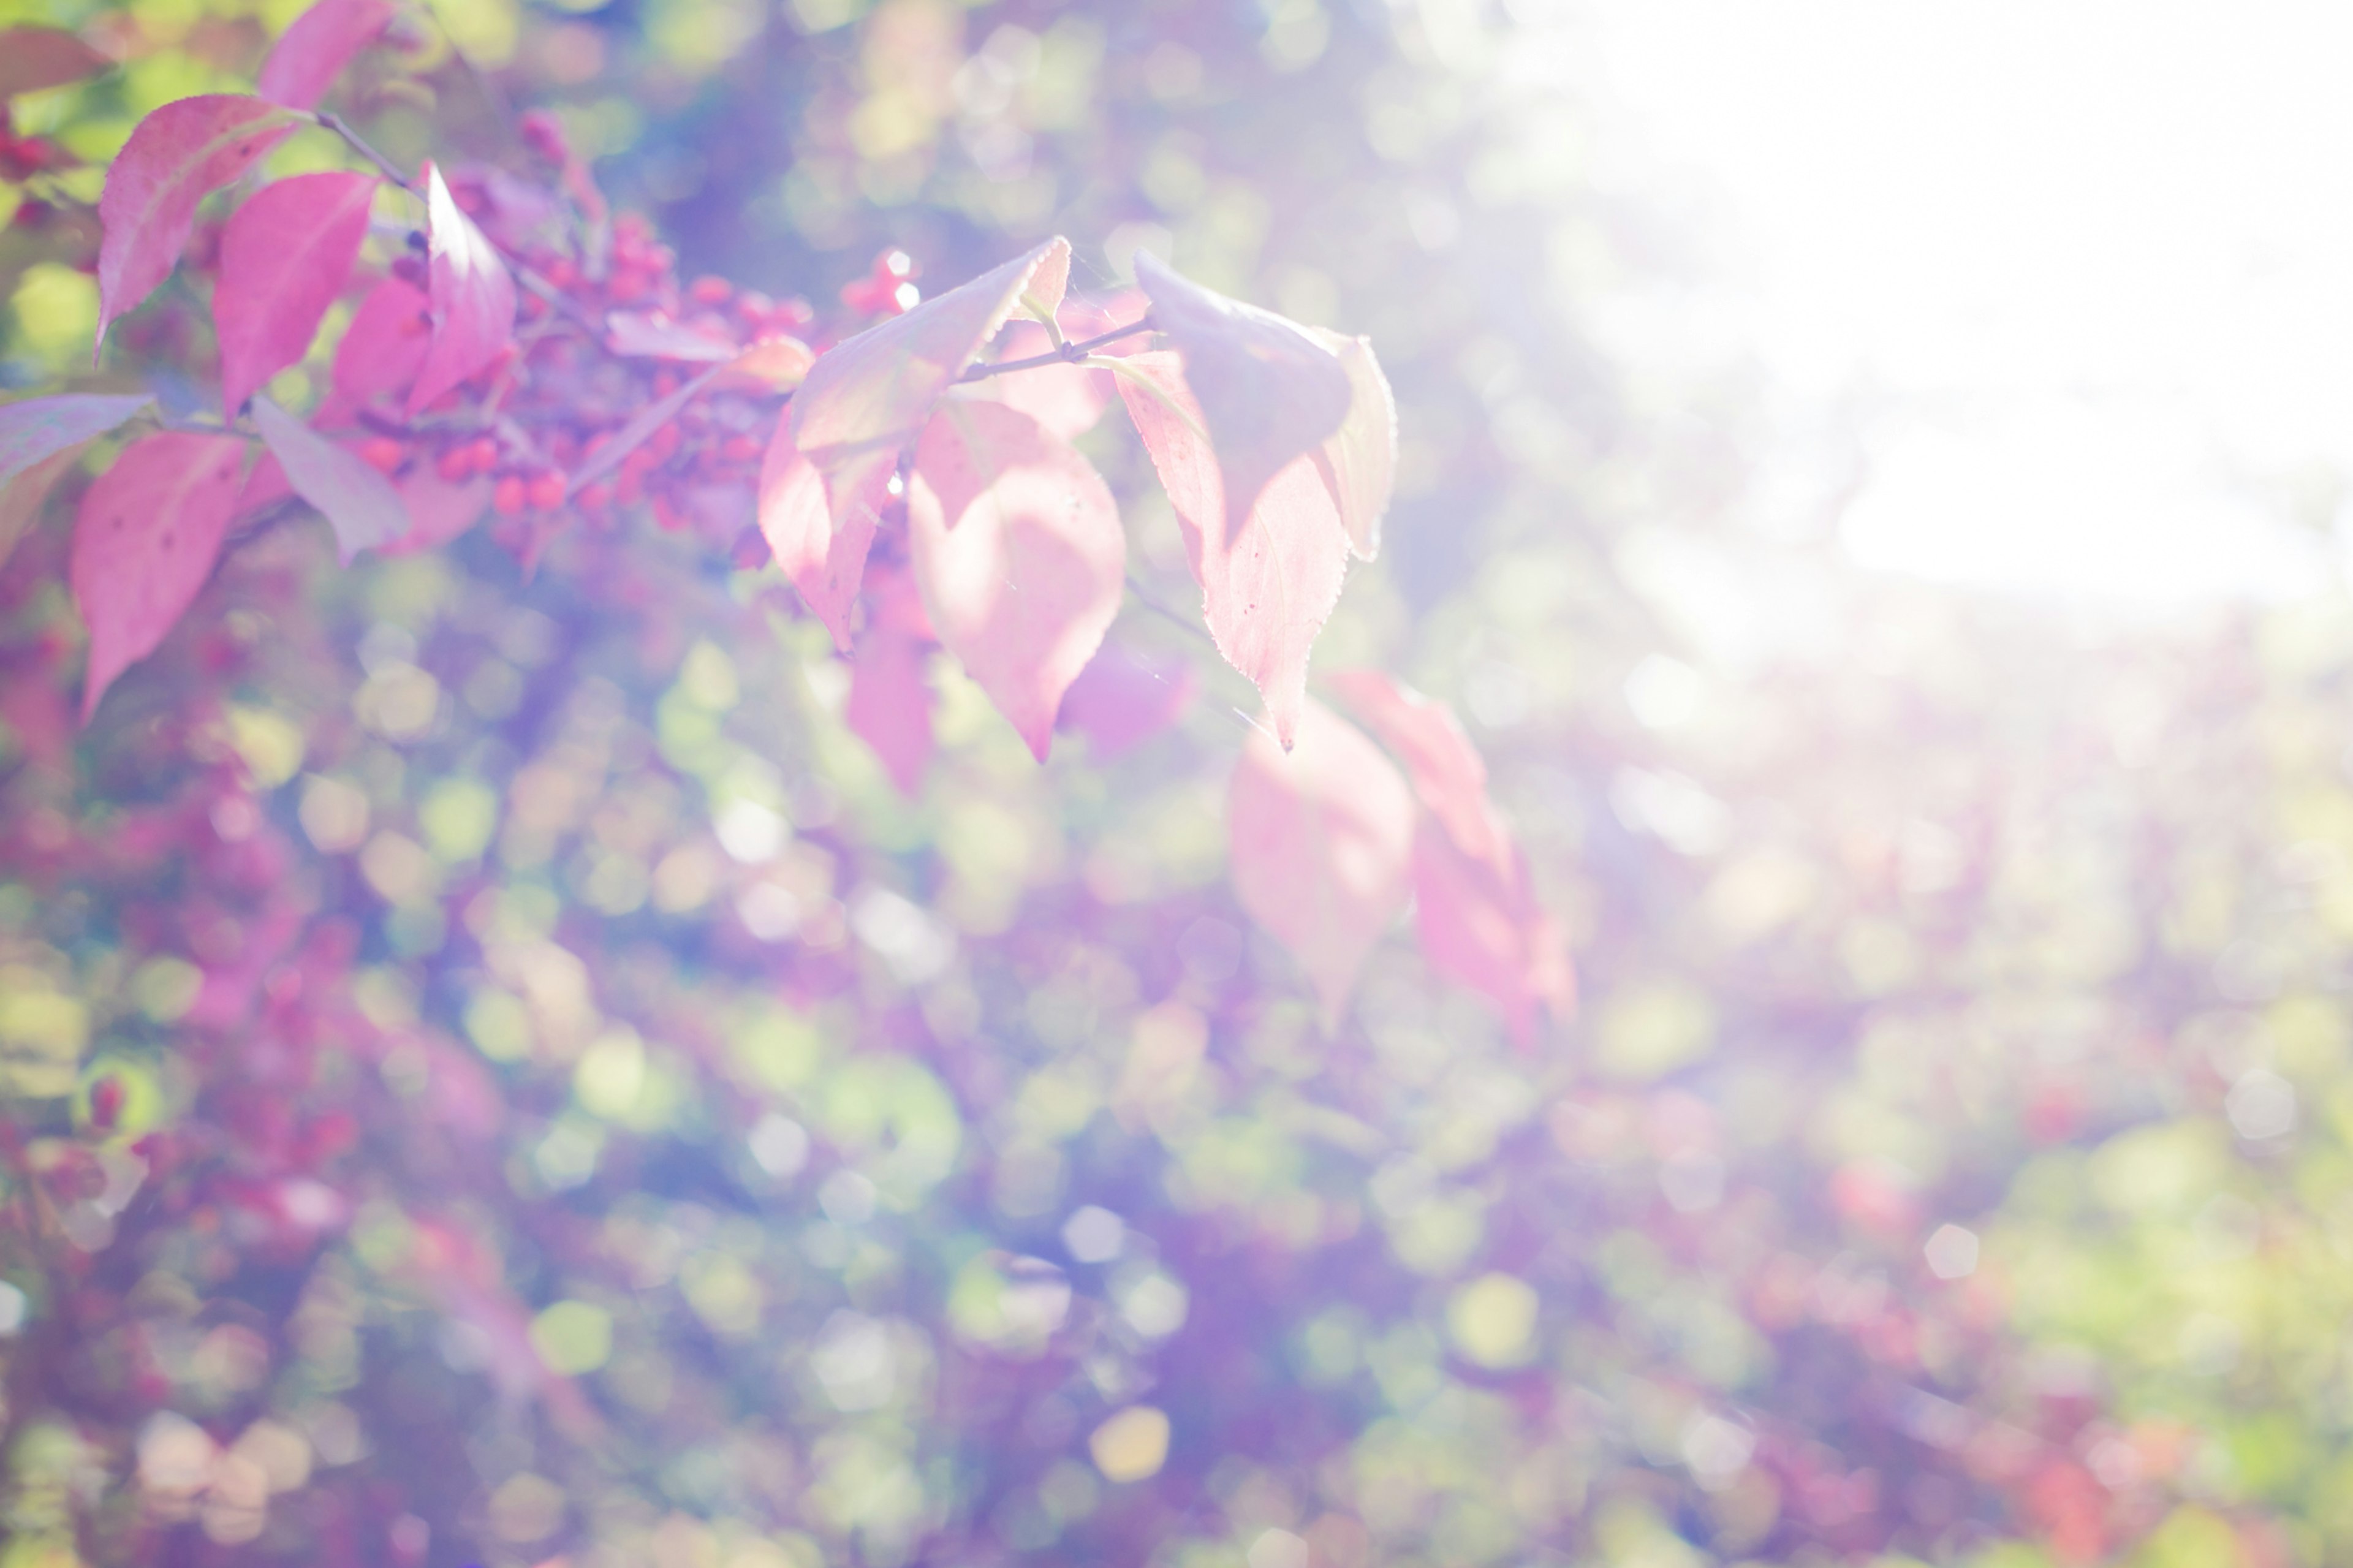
<point>867,399</point>
<point>358,502</point>
<point>825,562</point>
<point>1267,587</point>
<point>891,700</point>
<point>1067,399</point>
<point>472,295</point>
<point>285,256</point>
<point>646,334</point>
<point>34,58</point>
<point>315,47</point>
<point>1016,543</point>
<point>1358,461</point>
<point>438,511</point>
<point>174,158</point>
<point>1268,393</point>
<point>1322,839</point>
<point>146,539</point>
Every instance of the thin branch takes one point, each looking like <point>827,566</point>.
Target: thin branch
<point>1069,353</point>
<point>358,143</point>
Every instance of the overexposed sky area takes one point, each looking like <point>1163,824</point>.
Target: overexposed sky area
<point>2096,258</point>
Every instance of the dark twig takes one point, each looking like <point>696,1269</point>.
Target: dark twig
<point>1069,353</point>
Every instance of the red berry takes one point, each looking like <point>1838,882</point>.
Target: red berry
<point>482,456</point>
<point>594,497</point>
<point>547,491</point>
<point>383,454</point>
<point>710,290</point>
<point>739,448</point>
<point>509,498</point>
<point>457,465</point>
<point>105,1102</point>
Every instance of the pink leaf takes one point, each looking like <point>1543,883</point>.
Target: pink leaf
<point>438,511</point>
<point>174,158</point>
<point>358,502</point>
<point>473,295</point>
<point>1323,844</point>
<point>286,254</point>
<point>265,485</point>
<point>867,399</point>
<point>1268,393</point>
<point>1067,399</point>
<point>648,334</point>
<point>385,346</point>
<point>1478,922</point>
<point>890,703</point>
<point>1267,587</point>
<point>1018,547</point>
<point>149,531</point>
<point>38,439</point>
<point>34,58</point>
<point>1125,696</point>
<point>1475,908</point>
<point>825,563</point>
<point>1358,461</point>
<point>316,46</point>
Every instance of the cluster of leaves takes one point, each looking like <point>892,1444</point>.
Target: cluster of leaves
<point>497,1073</point>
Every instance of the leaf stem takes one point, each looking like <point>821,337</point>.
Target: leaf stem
<point>358,143</point>
<point>1068,353</point>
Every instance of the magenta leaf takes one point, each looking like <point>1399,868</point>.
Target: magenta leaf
<point>286,254</point>
<point>867,399</point>
<point>1358,461</point>
<point>147,536</point>
<point>359,503</point>
<point>34,58</point>
<point>1321,841</point>
<point>315,47</point>
<point>1268,393</point>
<point>174,158</point>
<point>385,346</point>
<point>1125,696</point>
<point>824,563</point>
<point>472,297</point>
<point>1449,776</point>
<point>1017,545</point>
<point>1267,587</point>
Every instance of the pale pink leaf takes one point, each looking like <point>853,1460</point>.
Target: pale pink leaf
<point>315,47</point>
<point>39,438</point>
<point>1478,921</point>
<point>648,334</point>
<point>147,536</point>
<point>175,157</point>
<point>472,297</point>
<point>1358,461</point>
<point>1447,773</point>
<point>1268,393</point>
<point>1267,587</point>
<point>35,428</point>
<point>1125,696</point>
<point>385,346</point>
<point>358,502</point>
<point>1475,908</point>
<point>825,563</point>
<point>867,398</point>
<point>438,511</point>
<point>265,485</point>
<point>1067,399</point>
<point>1321,841</point>
<point>1017,545</point>
<point>890,701</point>
<point>32,58</point>
<point>285,256</point>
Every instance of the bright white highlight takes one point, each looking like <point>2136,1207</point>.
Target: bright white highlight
<point>2093,262</point>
